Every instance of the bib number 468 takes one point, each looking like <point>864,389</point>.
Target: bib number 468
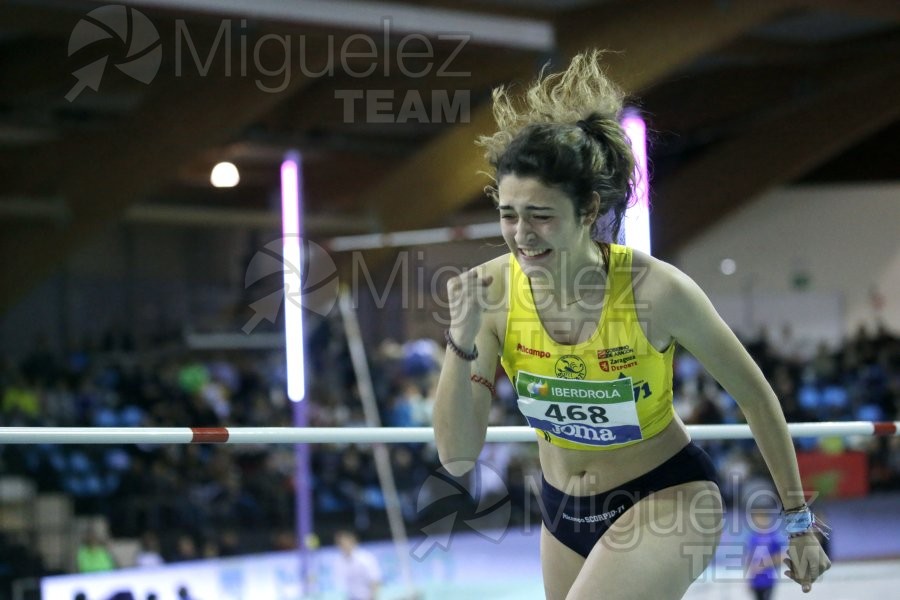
<point>577,412</point>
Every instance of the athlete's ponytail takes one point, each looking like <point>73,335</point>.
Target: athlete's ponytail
<point>564,130</point>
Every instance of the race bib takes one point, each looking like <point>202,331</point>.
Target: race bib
<point>595,413</point>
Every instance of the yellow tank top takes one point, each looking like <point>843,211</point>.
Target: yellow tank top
<point>614,389</point>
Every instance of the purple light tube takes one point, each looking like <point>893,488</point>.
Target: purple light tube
<point>637,217</point>
<point>291,229</point>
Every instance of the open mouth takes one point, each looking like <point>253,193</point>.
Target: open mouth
<point>533,253</point>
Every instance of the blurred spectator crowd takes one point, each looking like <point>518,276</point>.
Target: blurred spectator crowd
<point>195,501</point>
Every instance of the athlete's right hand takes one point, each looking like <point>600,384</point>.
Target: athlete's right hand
<point>467,300</point>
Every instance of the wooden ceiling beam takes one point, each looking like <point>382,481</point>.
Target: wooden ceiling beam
<point>791,142</point>
<point>649,39</point>
<point>726,96</point>
<point>103,175</point>
<point>888,10</point>
<point>732,95</point>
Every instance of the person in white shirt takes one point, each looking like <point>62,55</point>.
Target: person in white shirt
<point>148,554</point>
<point>357,572</point>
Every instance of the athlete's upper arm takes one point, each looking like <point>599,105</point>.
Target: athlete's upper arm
<point>488,339</point>
<point>488,350</point>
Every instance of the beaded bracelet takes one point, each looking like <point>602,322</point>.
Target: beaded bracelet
<point>485,382</point>
<point>469,356</point>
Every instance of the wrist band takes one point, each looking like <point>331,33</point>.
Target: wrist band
<point>469,356</point>
<point>485,382</point>
<point>799,521</point>
<point>802,520</point>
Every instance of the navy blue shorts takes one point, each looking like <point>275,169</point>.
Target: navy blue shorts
<point>580,521</point>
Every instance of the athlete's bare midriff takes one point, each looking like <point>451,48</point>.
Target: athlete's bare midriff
<point>588,472</point>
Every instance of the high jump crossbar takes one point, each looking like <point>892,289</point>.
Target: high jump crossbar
<point>370,435</point>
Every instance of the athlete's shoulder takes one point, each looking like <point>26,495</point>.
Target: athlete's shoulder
<point>639,258</point>
<point>496,265</point>
<point>670,292</point>
<point>655,282</point>
<point>652,270</point>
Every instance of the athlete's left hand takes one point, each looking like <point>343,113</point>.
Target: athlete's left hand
<point>806,560</point>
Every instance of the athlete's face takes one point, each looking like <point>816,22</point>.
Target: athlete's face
<point>540,226</point>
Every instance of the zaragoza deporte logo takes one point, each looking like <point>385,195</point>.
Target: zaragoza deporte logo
<point>317,275</point>
<point>130,40</point>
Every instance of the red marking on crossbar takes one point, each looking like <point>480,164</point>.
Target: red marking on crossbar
<point>885,428</point>
<point>209,435</point>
